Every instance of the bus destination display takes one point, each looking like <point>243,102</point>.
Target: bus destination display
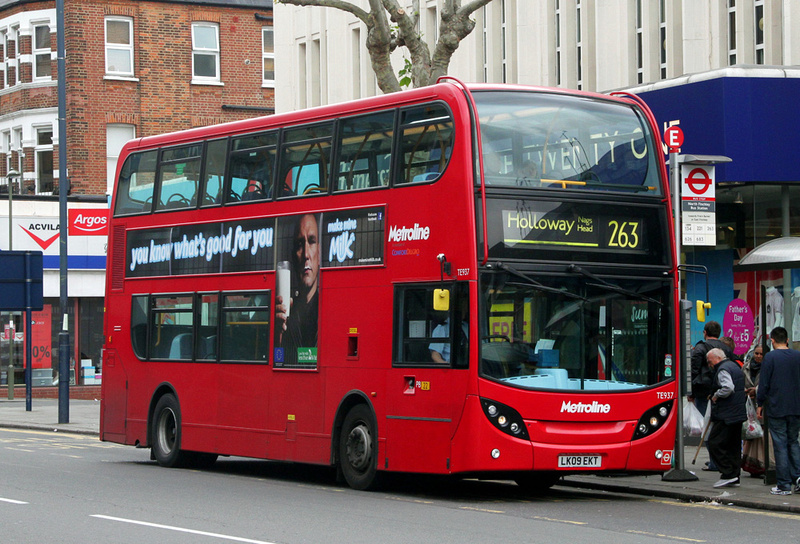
<point>573,226</point>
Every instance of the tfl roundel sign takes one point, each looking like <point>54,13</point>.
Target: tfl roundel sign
<point>698,182</point>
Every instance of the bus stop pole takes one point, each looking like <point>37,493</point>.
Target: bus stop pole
<point>678,473</point>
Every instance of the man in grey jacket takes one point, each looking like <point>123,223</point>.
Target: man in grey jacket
<point>728,412</point>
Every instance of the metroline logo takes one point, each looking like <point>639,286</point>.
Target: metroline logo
<point>406,234</point>
<point>88,222</point>
<point>581,408</point>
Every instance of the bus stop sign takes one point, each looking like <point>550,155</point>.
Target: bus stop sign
<point>21,286</point>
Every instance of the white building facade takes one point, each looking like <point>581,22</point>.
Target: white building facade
<point>594,45</point>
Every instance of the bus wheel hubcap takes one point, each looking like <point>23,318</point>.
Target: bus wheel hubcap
<point>359,448</point>
<point>166,431</point>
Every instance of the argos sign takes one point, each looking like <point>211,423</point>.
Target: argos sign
<point>88,222</point>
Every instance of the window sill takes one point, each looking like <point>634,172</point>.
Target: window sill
<point>205,82</point>
<point>108,77</point>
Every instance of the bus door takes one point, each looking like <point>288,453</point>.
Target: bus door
<point>427,384</point>
<point>243,377</point>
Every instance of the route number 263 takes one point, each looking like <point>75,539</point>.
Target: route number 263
<point>624,234</point>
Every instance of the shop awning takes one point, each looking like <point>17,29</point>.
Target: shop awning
<point>776,254</point>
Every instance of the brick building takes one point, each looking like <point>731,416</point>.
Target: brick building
<point>133,68</point>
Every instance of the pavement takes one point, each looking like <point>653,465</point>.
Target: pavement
<point>84,418</point>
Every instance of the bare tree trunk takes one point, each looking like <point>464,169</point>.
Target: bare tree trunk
<point>382,39</point>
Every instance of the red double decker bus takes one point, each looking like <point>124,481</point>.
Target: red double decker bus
<point>474,280</point>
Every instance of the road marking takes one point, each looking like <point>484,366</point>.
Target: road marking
<point>561,520</point>
<point>718,506</point>
<point>682,539</point>
<point>12,501</point>
<point>405,499</point>
<point>181,529</point>
<point>482,510</point>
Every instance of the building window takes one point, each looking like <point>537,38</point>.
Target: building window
<point>119,46</point>
<point>558,42</point>
<point>268,56</point>
<point>116,136</point>
<point>44,160</point>
<point>639,43</point>
<point>205,52</point>
<point>759,21</point>
<point>662,34</point>
<point>5,42</point>
<point>41,52</point>
<point>485,30</point>
<point>503,41</point>
<point>731,32</point>
<point>579,42</point>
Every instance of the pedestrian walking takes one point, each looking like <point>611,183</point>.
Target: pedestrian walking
<point>728,412</point>
<point>778,388</point>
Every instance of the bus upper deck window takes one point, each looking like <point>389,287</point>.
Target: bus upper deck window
<point>136,183</point>
<point>427,141</point>
<point>306,160</point>
<point>179,176</point>
<point>252,164</point>
<point>365,151</point>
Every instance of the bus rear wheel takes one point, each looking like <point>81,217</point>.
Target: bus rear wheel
<point>166,432</point>
<point>358,449</point>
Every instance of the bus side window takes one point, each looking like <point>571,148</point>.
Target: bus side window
<point>216,154</point>
<point>306,160</point>
<point>136,183</point>
<point>208,322</point>
<point>365,150</point>
<point>245,327</point>
<point>171,327</point>
<point>426,337</point>
<point>426,142</point>
<point>179,176</point>
<point>252,163</point>
<point>139,325</point>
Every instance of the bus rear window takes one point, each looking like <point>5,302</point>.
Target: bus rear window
<point>136,184</point>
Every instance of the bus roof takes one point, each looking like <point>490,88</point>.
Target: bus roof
<point>446,90</point>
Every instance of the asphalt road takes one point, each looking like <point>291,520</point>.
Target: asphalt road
<point>58,487</point>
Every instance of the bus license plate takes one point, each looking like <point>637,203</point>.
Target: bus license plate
<point>579,461</point>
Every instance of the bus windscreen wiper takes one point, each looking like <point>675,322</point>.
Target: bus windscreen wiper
<point>535,284</point>
<point>608,285</point>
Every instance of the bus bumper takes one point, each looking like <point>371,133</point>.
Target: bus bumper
<point>478,446</point>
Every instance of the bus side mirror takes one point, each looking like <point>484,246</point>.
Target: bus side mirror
<point>441,300</point>
<point>701,310</point>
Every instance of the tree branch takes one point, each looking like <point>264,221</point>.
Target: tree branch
<point>336,4</point>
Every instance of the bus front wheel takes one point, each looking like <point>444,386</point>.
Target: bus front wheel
<point>167,432</point>
<point>358,449</point>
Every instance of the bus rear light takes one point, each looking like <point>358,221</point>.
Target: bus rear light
<point>505,418</point>
<point>652,420</point>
